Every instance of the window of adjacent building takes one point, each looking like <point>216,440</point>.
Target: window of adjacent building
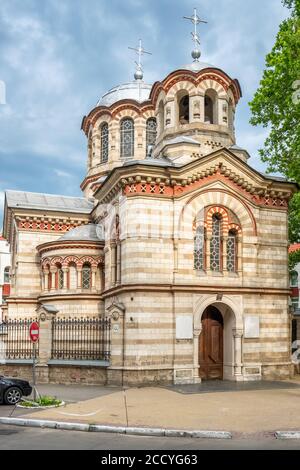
<point>294,279</point>
<point>127,138</point>
<point>199,249</point>
<point>86,276</point>
<point>151,131</point>
<point>231,252</point>
<point>215,244</point>
<point>104,137</point>
<point>6,275</point>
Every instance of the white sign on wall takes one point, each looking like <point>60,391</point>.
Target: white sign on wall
<point>184,327</point>
<point>251,326</point>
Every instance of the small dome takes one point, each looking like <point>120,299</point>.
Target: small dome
<point>136,90</point>
<point>197,66</point>
<point>89,232</point>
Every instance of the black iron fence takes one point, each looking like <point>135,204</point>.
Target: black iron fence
<point>81,339</point>
<point>15,342</point>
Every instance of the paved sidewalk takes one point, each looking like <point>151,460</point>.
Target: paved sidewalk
<point>240,411</point>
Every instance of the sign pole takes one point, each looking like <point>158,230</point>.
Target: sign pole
<point>33,371</point>
<point>34,333</point>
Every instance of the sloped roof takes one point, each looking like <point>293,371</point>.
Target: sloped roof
<point>29,200</point>
<point>294,247</point>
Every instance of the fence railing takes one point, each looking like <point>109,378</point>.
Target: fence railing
<point>15,342</point>
<point>81,338</point>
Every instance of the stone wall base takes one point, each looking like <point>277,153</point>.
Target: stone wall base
<point>101,376</point>
<point>277,371</point>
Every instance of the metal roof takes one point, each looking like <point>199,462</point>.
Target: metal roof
<point>88,232</point>
<point>196,66</point>
<point>136,90</point>
<point>28,200</point>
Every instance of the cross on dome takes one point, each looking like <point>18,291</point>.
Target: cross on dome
<point>138,75</point>
<point>195,19</point>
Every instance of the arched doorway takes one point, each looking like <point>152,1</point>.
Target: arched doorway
<point>211,344</point>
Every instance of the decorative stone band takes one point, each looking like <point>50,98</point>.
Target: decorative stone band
<point>48,225</point>
<point>150,185</point>
<point>64,261</point>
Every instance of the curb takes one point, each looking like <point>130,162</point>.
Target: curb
<point>287,434</point>
<point>40,423</point>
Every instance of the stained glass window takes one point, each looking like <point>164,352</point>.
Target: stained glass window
<point>215,243</point>
<point>60,278</point>
<point>86,276</point>
<point>199,249</point>
<point>127,138</point>
<point>231,252</point>
<point>104,142</point>
<point>151,131</point>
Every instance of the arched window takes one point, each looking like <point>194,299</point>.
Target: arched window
<point>210,107</point>
<point>184,110</point>
<point>86,276</point>
<point>59,277</point>
<point>151,131</point>
<point>232,251</point>
<point>127,138</point>
<point>199,249</point>
<point>215,244</point>
<point>294,279</point>
<point>104,136</point>
<point>6,275</point>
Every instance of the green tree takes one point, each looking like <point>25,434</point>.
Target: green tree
<point>276,105</point>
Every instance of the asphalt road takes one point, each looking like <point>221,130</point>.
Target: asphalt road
<point>21,438</point>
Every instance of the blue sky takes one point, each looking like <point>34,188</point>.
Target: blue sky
<point>57,57</point>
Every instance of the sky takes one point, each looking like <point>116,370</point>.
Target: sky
<point>58,57</point>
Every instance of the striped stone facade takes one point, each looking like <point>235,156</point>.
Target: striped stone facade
<point>194,196</point>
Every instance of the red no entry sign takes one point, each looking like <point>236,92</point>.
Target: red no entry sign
<point>34,331</point>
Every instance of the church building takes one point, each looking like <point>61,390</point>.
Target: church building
<point>177,240</point>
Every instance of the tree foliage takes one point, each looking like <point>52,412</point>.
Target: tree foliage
<point>276,105</point>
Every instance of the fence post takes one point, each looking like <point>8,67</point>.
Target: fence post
<point>46,313</point>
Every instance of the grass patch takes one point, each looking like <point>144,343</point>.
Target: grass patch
<point>42,401</point>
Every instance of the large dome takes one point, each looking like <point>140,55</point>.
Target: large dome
<point>136,90</point>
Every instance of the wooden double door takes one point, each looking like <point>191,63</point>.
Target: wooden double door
<point>211,345</point>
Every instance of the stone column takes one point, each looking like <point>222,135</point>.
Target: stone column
<point>46,280</point>
<point>94,271</point>
<point>118,253</point>
<point>65,271</point>
<point>237,335</point>
<point>224,255</point>
<point>52,274</point>
<point>113,264</point>
<point>45,343</point>
<point>239,255</point>
<point>207,253</point>
<point>79,276</point>
<point>196,376</point>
